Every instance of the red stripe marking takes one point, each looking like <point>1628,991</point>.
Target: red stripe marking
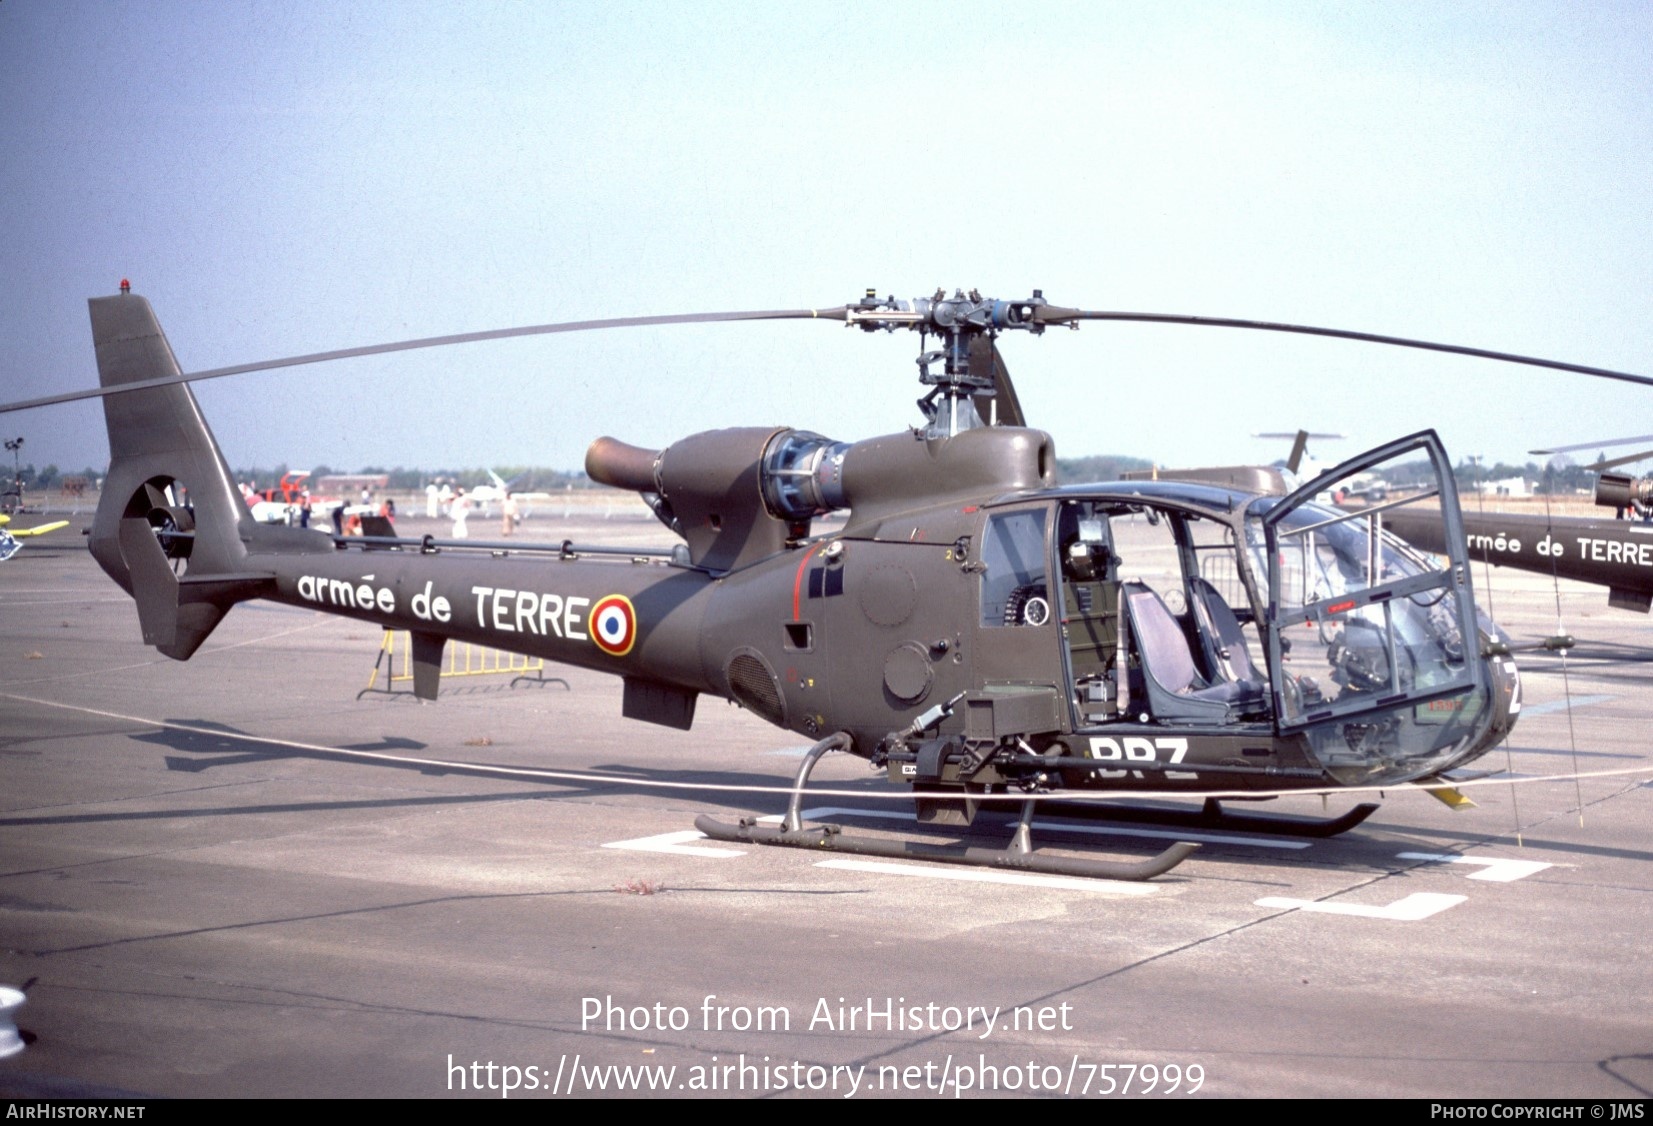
<point>798,582</point>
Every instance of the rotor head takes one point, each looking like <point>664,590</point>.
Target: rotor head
<point>972,386</point>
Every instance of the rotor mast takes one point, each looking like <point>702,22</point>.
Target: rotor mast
<point>964,392</point>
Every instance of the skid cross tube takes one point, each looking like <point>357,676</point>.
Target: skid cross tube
<point>838,741</point>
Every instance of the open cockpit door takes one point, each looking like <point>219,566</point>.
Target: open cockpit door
<point>1373,650</point>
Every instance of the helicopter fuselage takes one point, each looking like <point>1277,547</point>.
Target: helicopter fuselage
<point>1015,614</point>
<point>970,628</point>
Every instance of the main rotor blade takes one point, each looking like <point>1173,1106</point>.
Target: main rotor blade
<point>1051,314</point>
<point>428,342</point>
<point>1595,445</point>
<point>1614,463</point>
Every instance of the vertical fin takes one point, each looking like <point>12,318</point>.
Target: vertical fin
<point>427,664</point>
<point>1299,445</point>
<point>162,452</point>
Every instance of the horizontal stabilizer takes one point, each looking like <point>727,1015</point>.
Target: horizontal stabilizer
<point>1621,599</point>
<point>653,702</point>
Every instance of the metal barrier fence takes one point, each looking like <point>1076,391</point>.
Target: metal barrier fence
<point>459,659</point>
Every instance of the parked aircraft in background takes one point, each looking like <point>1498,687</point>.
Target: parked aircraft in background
<point>10,538</point>
<point>485,497</point>
<point>1614,553</point>
<point>1302,466</point>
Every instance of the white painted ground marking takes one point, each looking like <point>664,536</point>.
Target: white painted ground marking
<point>1530,710</point>
<point>1418,905</point>
<point>983,876</point>
<point>1063,827</point>
<point>675,844</point>
<point>1497,869</point>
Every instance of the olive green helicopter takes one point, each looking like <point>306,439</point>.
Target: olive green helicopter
<point>972,628</point>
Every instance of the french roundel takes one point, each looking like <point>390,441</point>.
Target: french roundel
<point>614,624</point>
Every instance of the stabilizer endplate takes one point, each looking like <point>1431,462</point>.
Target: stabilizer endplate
<point>153,585</point>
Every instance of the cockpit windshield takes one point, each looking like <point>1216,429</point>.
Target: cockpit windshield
<point>1373,649</point>
<point>1361,614</point>
<point>1215,614</point>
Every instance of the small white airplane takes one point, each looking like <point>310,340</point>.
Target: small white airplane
<point>490,494</point>
<point>484,496</point>
<point>9,538</point>
<point>269,511</point>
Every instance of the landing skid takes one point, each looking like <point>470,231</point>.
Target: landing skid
<point>832,838</point>
<point>1212,815</point>
<point>1018,855</point>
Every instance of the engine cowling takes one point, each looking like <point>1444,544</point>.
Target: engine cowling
<point>740,495</point>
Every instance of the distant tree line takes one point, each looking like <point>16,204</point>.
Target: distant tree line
<point>525,478</point>
<point>1069,470</point>
<point>1562,475</point>
<point>49,477</point>
<point>1096,467</point>
<point>534,478</point>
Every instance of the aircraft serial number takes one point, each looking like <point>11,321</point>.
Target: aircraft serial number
<point>1136,748</point>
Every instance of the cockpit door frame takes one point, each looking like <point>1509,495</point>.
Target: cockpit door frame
<point>1454,580</point>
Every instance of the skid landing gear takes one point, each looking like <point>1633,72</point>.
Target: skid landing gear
<point>1018,855</point>
<point>1212,815</point>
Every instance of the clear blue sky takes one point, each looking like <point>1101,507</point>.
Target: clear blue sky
<point>284,178</point>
